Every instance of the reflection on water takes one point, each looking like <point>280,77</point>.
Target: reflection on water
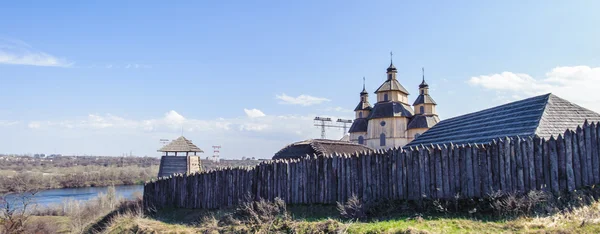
<point>57,196</point>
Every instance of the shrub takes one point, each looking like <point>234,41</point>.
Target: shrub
<point>352,209</point>
<point>517,204</point>
<point>258,212</point>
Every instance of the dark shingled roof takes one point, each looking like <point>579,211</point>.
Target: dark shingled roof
<point>320,147</point>
<point>363,106</point>
<point>423,121</point>
<point>391,84</point>
<point>180,144</point>
<point>544,115</point>
<point>359,125</point>
<point>424,99</point>
<point>390,109</point>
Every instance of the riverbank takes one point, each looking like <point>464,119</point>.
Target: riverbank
<point>75,177</point>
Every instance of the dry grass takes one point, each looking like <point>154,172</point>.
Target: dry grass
<point>585,219</point>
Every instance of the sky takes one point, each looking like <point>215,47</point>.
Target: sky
<point>115,77</point>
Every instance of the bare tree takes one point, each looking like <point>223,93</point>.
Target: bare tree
<point>16,204</point>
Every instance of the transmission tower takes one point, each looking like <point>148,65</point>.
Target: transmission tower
<point>322,122</point>
<point>216,151</point>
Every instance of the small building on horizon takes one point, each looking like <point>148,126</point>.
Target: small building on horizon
<point>178,158</point>
<point>319,147</point>
<point>543,116</point>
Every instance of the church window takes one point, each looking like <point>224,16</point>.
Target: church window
<point>360,114</point>
<point>389,76</point>
<point>382,123</point>
<point>385,97</point>
<point>422,92</point>
<point>361,140</point>
<point>382,139</point>
<point>422,109</point>
<point>417,135</point>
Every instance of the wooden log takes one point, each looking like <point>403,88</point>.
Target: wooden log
<point>426,181</point>
<point>445,172</point>
<point>409,174</point>
<point>419,174</point>
<point>597,143</point>
<point>501,160</point>
<point>485,170</point>
<point>520,181</point>
<point>384,175</point>
<point>495,166</point>
<point>539,166</point>
<point>400,175</point>
<point>513,164</point>
<point>439,186</point>
<point>469,171</point>
<point>562,167</point>
<point>555,188</point>
<point>459,171</point>
<point>476,165</point>
<point>584,163</point>
<point>394,175</point>
<point>576,159</point>
<point>363,161</point>
<point>531,158</point>
<point>525,161</point>
<point>508,164</point>
<point>593,149</point>
<point>451,187</point>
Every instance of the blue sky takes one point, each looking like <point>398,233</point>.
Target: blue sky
<point>109,77</point>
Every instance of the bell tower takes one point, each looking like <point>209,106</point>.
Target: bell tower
<point>358,130</point>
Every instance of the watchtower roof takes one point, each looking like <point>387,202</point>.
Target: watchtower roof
<point>180,144</point>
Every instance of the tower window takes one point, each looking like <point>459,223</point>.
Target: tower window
<point>422,92</point>
<point>361,140</point>
<point>390,76</point>
<point>385,97</point>
<point>422,109</point>
<point>382,123</point>
<point>417,135</point>
<point>360,114</point>
<point>382,139</point>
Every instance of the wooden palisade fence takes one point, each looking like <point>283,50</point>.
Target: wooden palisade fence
<point>565,163</point>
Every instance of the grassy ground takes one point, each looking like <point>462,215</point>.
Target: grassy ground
<point>315,220</point>
<point>55,224</point>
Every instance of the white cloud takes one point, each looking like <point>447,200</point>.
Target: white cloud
<point>303,100</point>
<point>6,123</point>
<point>577,84</point>
<point>337,109</point>
<point>253,113</point>
<point>16,52</point>
<point>108,134</point>
<point>34,124</point>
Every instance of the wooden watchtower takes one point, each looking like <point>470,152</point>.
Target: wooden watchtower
<point>178,158</point>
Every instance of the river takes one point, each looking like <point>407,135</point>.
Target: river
<point>57,196</point>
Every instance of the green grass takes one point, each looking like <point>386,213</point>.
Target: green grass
<point>323,219</point>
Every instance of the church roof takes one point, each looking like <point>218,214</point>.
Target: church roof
<point>180,144</point>
<point>359,125</point>
<point>423,121</point>
<point>544,115</point>
<point>363,106</point>
<point>320,147</point>
<point>424,99</point>
<point>391,85</point>
<point>390,109</point>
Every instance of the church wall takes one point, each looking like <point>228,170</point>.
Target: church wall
<point>393,96</point>
<point>354,136</point>
<point>364,114</point>
<point>429,109</point>
<point>394,130</point>
<point>412,132</point>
